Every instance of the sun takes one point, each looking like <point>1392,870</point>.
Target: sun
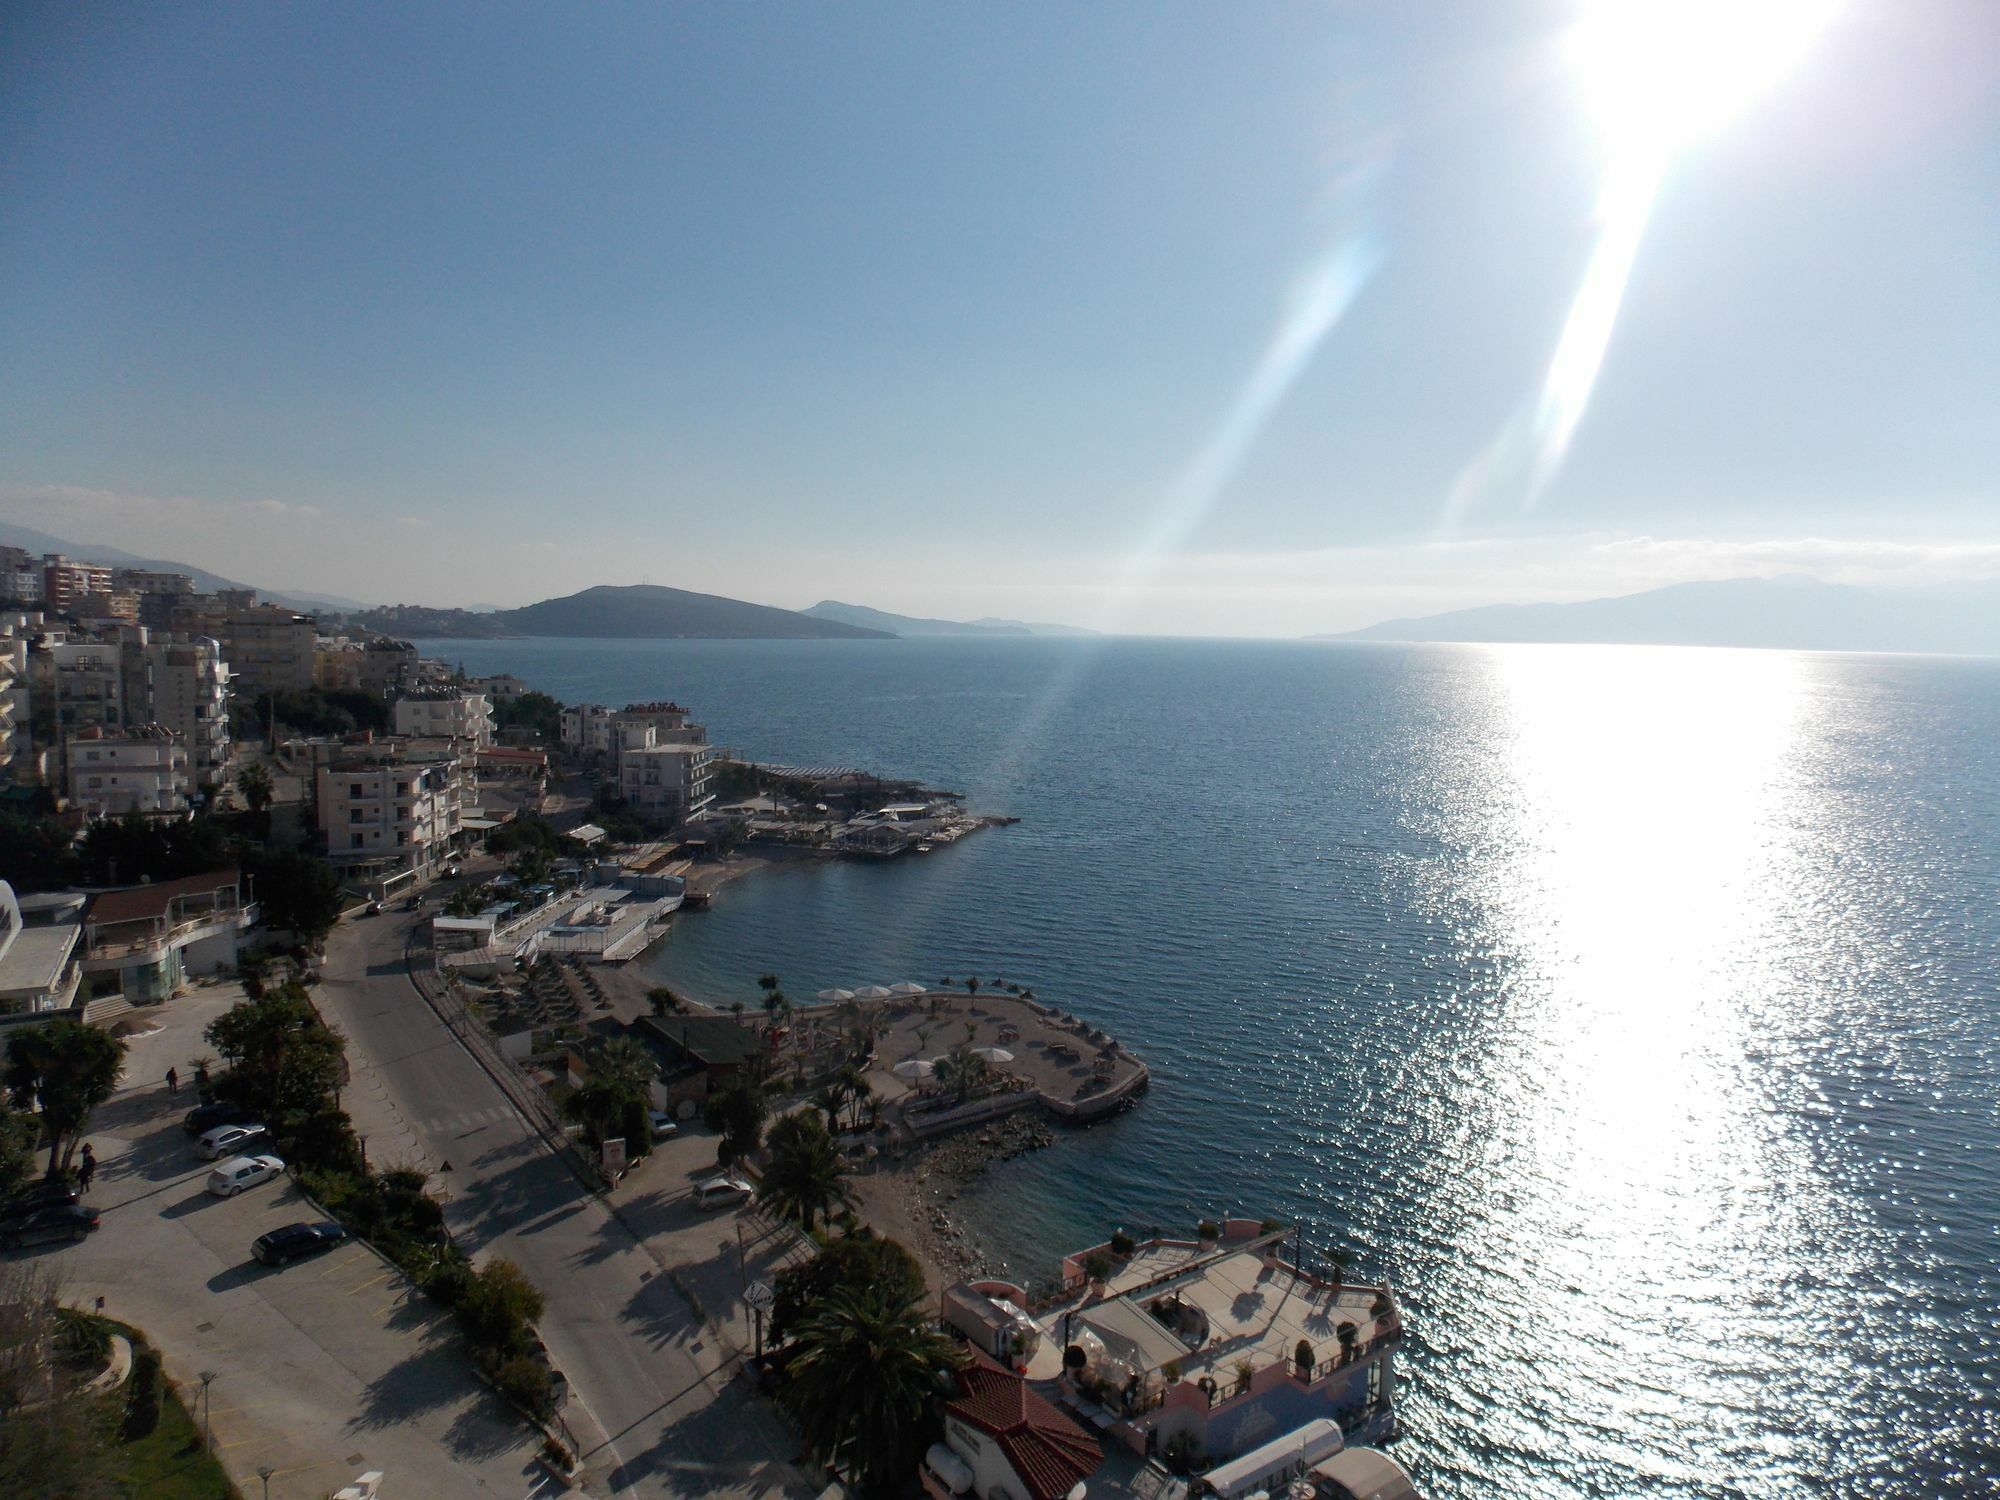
<point>1659,75</point>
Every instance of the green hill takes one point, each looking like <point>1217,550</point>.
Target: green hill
<point>648,611</point>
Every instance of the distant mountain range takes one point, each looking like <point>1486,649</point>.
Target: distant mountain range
<point>881,619</point>
<point>634,612</point>
<point>1794,613</point>
<point>39,542</point>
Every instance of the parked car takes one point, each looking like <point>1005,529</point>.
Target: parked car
<point>719,1192</point>
<point>372,909</point>
<point>450,872</point>
<point>232,1140</point>
<point>57,1221</point>
<point>295,1241</point>
<point>241,1172</point>
<point>49,1192</point>
<point>205,1117</point>
<point>664,1128</point>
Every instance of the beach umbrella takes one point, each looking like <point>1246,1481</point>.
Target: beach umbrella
<point>993,1054</point>
<point>835,995</point>
<point>871,992</point>
<point>907,988</point>
<point>913,1068</point>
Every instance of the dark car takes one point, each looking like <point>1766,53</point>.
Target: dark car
<point>297,1240</point>
<point>59,1221</point>
<point>205,1117</point>
<point>49,1192</point>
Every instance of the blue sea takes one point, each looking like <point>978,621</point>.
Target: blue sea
<point>1632,1009</point>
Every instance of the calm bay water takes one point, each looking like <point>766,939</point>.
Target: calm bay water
<point>1634,1010</point>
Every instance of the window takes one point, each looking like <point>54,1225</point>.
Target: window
<point>354,815</point>
<point>355,790</point>
<point>354,842</point>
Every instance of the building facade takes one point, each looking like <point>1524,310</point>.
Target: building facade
<point>114,772</point>
<point>445,714</point>
<point>269,649</point>
<point>670,781</point>
<point>375,807</point>
<point>65,582</point>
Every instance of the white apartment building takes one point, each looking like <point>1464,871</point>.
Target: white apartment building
<point>20,575</point>
<point>16,631</point>
<point>375,809</point>
<point>84,679</point>
<point>667,780</point>
<point>586,730</point>
<point>184,685</point>
<point>450,714</point>
<point>113,772</point>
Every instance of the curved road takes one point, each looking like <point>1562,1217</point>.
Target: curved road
<point>659,1414</point>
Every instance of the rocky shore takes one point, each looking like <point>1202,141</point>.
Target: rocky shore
<point>913,1200</point>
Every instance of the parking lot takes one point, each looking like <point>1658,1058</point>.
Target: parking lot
<point>322,1368</point>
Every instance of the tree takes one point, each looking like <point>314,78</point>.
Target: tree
<point>962,1070</point>
<point>296,891</point>
<point>65,1069</point>
<point>254,782</point>
<point>616,1101</point>
<point>867,1379</point>
<point>737,1114</point>
<point>284,1062</point>
<point>20,1133</point>
<point>499,1307</point>
<point>127,850</point>
<point>972,987</point>
<point>537,712</point>
<point>804,1179</point>
<point>857,1263</point>
<point>37,853</point>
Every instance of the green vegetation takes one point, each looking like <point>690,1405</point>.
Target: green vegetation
<point>64,1070</point>
<point>737,1114</point>
<point>856,1263</point>
<point>311,711</point>
<point>37,853</point>
<point>536,711</point>
<point>864,1379</point>
<point>297,891</point>
<point>127,850</point>
<point>616,1101</point>
<point>804,1177</point>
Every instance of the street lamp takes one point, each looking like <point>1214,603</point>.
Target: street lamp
<point>264,1472</point>
<point>207,1427</point>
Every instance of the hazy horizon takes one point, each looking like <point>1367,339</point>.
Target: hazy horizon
<point>1275,323</point>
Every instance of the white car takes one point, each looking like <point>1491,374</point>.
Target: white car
<point>241,1172</point>
<point>664,1128</point>
<point>718,1191</point>
<point>231,1140</point>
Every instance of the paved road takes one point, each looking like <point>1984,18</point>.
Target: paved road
<point>649,1376</point>
<point>323,1369</point>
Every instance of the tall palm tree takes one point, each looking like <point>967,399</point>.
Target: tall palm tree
<point>804,1177</point>
<point>867,1378</point>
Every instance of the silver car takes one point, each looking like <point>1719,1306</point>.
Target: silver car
<point>241,1172</point>
<point>232,1140</point>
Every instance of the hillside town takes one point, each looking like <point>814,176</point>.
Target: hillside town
<point>314,948</point>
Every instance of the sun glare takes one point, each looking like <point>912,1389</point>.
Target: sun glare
<point>1656,76</point>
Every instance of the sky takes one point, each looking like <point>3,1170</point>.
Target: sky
<point>1238,320</point>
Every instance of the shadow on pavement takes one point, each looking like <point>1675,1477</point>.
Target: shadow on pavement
<point>427,1380</point>
<point>189,1205</point>
<point>242,1275</point>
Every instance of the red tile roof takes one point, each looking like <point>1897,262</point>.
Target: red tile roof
<point>139,902</point>
<point>1050,1453</point>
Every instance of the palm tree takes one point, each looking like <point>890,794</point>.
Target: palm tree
<point>254,782</point>
<point>830,1099</point>
<point>962,1069</point>
<point>804,1177</point>
<point>972,987</point>
<point>867,1379</point>
<point>774,1001</point>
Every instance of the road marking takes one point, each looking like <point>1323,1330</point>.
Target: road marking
<point>373,1281</point>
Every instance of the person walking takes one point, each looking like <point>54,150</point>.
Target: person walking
<point>87,1170</point>
<point>173,1082</point>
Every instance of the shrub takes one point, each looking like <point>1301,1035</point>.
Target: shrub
<point>1244,1372</point>
<point>1302,1357</point>
<point>449,1280</point>
<point>497,1308</point>
<point>1097,1265</point>
<point>1122,1243</point>
<point>526,1383</point>
<point>82,1338</point>
<point>1268,1225</point>
<point>142,1397</point>
<point>1209,1230</point>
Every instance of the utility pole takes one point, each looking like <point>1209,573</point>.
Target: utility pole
<point>207,1427</point>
